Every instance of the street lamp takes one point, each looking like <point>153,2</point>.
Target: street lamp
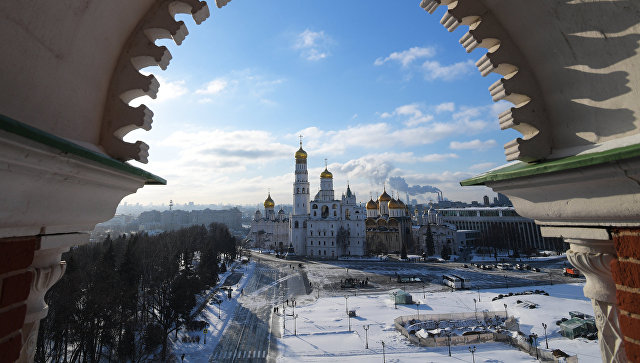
<point>424,296</point>
<point>383,357</point>
<point>366,336</point>
<point>418,308</point>
<point>293,303</point>
<point>346,306</point>
<point>478,293</point>
<point>545,334</point>
<point>475,303</point>
<point>349,319</point>
<point>449,341</point>
<point>506,316</point>
<point>534,337</point>
<point>295,330</point>
<point>395,305</point>
<point>473,351</point>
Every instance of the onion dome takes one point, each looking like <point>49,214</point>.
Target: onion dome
<point>326,174</point>
<point>371,204</point>
<point>301,154</point>
<point>281,211</point>
<point>394,204</point>
<point>349,194</point>
<point>384,197</point>
<point>268,203</point>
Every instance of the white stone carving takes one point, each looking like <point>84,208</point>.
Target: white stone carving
<point>519,85</point>
<point>127,83</point>
<point>593,258</point>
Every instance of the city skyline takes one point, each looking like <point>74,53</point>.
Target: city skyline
<point>378,100</point>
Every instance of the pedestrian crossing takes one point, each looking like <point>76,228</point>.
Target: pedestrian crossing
<point>246,354</point>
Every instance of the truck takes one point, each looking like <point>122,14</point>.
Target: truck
<point>571,271</point>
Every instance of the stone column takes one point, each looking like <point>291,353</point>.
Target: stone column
<point>47,268</point>
<point>593,258</point>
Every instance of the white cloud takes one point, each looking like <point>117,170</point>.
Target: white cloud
<point>436,157</point>
<point>433,70</point>
<point>416,116</point>
<point>472,145</point>
<point>482,166</point>
<point>214,87</point>
<point>313,46</point>
<point>406,57</point>
<point>446,107</point>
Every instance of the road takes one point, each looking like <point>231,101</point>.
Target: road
<point>248,337</point>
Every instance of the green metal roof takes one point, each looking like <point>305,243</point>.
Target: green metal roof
<point>67,147</point>
<point>520,170</point>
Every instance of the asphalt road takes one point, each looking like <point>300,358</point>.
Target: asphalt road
<point>248,337</point>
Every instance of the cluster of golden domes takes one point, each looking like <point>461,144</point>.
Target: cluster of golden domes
<point>392,203</point>
<point>269,203</point>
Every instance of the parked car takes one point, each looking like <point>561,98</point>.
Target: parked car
<point>571,271</point>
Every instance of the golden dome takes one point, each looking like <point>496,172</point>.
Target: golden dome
<point>394,204</point>
<point>384,197</point>
<point>371,204</point>
<point>326,174</point>
<point>268,203</point>
<point>301,154</point>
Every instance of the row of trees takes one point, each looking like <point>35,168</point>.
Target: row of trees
<point>120,299</point>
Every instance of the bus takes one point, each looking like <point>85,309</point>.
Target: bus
<point>455,281</point>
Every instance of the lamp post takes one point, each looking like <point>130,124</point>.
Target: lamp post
<point>383,357</point>
<point>366,336</point>
<point>293,303</point>
<point>424,296</point>
<point>473,353</point>
<point>449,342</point>
<point>395,305</point>
<point>346,306</point>
<point>475,303</point>
<point>506,315</point>
<point>545,334</point>
<point>418,308</point>
<point>295,330</point>
<point>478,293</point>
<point>534,337</point>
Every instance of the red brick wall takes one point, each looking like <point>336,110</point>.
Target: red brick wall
<point>626,274</point>
<point>16,255</point>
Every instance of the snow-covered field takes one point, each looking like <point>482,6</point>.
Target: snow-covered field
<point>323,335</point>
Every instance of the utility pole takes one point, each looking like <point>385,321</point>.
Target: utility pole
<point>383,357</point>
<point>366,336</point>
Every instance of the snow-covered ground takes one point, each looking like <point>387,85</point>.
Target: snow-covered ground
<point>323,336</point>
<point>200,352</point>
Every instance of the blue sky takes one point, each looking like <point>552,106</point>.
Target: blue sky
<point>378,88</point>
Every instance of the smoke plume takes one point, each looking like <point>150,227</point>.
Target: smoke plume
<point>398,183</point>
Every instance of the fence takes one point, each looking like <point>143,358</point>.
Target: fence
<point>521,342</point>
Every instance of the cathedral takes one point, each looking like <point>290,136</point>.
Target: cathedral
<point>325,227</point>
<point>388,225</point>
<point>270,230</point>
